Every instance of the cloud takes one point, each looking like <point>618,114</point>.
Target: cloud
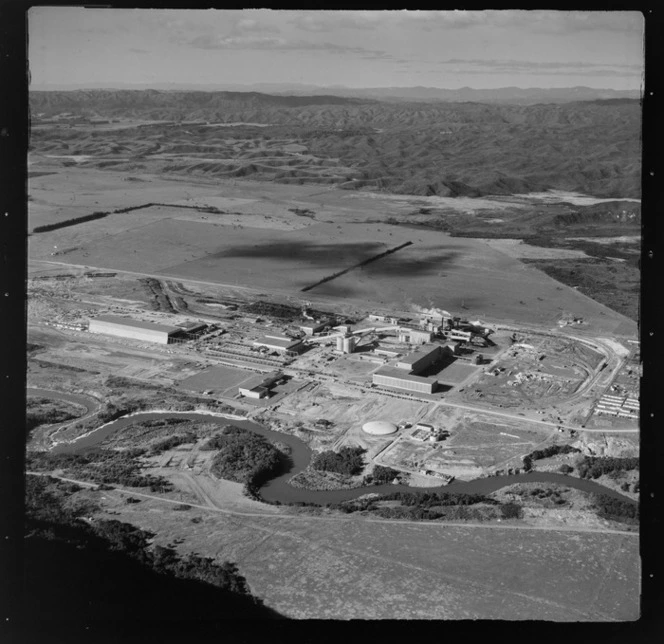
<point>555,22</point>
<point>527,65</point>
<point>321,21</point>
<point>249,25</point>
<point>249,42</point>
<point>534,71</point>
<point>137,50</point>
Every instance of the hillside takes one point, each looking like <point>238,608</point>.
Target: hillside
<point>448,149</point>
<point>512,95</point>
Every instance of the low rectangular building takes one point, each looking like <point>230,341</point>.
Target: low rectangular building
<point>398,379</point>
<point>259,386</point>
<point>133,329</point>
<point>283,345</point>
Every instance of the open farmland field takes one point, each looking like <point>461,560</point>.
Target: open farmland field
<point>308,567</point>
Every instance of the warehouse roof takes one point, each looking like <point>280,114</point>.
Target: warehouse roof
<point>393,372</point>
<point>138,324</point>
<point>277,342</point>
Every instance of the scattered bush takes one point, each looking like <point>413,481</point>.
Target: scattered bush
<point>165,444</point>
<point>101,466</point>
<point>383,474</point>
<point>511,510</point>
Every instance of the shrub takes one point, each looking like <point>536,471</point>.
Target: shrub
<point>511,510</point>
<point>383,474</point>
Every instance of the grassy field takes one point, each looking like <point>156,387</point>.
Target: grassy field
<point>613,283</point>
<point>338,569</point>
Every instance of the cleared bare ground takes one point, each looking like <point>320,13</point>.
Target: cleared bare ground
<point>265,252</point>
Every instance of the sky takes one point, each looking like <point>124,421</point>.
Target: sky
<point>75,46</point>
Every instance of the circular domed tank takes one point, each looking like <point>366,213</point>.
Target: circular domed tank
<point>379,428</point>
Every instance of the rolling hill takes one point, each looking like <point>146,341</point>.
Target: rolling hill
<point>434,148</point>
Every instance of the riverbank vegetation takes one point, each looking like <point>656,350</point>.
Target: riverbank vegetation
<point>160,434</point>
<point>101,466</point>
<point>431,506</point>
<point>547,452</point>
<point>47,411</point>
<point>313,479</point>
<point>71,561</point>
<point>244,457</point>
<point>614,509</point>
<point>559,503</point>
<point>592,467</point>
<point>348,460</point>
<point>127,396</point>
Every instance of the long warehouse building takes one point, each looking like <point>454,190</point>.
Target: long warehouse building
<point>399,379</point>
<point>133,329</point>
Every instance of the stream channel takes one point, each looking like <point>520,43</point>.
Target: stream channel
<point>278,489</point>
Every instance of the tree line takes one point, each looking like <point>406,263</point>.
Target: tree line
<point>552,450</point>
<point>592,467</point>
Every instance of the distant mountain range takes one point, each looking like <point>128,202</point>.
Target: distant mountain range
<point>508,95</point>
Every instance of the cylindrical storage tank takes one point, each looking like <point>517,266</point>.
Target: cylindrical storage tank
<point>349,344</point>
<point>379,428</point>
<point>340,343</point>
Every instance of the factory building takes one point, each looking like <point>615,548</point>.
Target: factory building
<point>421,359</point>
<point>311,327</point>
<point>259,386</point>
<point>346,344</point>
<point>415,336</point>
<point>281,344</point>
<point>462,336</point>
<point>133,329</point>
<point>399,379</point>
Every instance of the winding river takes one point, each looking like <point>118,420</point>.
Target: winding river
<point>278,489</point>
